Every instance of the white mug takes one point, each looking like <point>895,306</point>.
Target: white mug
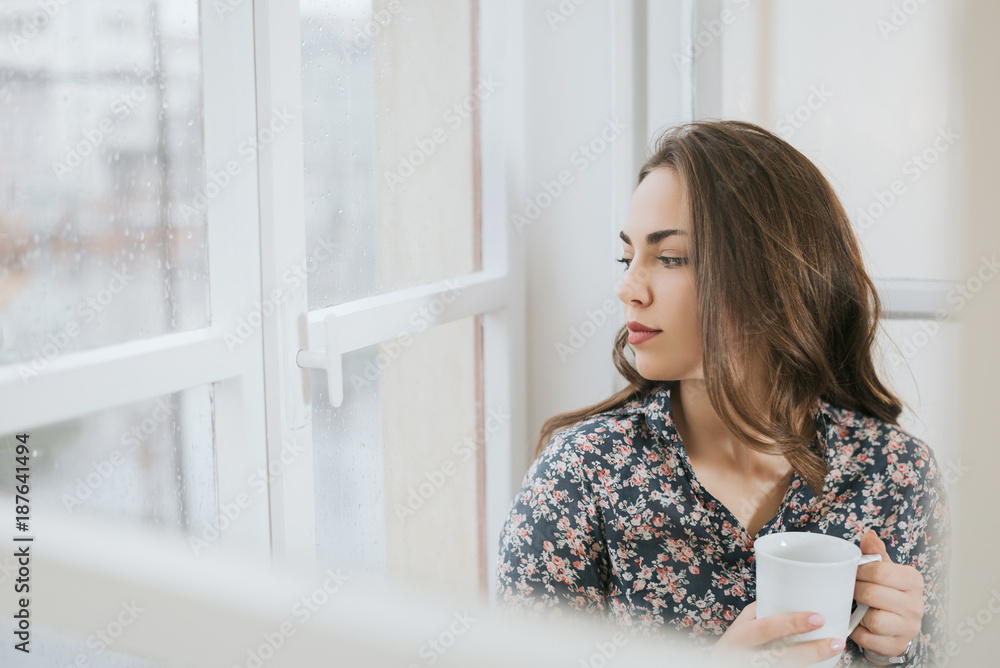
<point>802,571</point>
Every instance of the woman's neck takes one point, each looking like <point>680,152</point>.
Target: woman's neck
<point>707,439</point>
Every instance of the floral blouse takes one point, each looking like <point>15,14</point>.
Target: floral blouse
<point>611,520</point>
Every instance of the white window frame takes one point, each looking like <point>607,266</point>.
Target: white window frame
<point>260,391</point>
<point>78,384</point>
<point>496,291</point>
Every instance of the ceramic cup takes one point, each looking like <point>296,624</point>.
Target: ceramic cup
<point>802,571</point>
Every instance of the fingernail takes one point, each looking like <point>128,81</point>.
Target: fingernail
<point>816,619</point>
<point>836,645</point>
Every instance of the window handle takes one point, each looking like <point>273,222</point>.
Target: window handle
<point>355,325</point>
<point>329,360</point>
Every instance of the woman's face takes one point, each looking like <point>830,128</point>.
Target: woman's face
<point>658,287</point>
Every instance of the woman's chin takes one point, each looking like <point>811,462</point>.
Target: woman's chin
<point>651,372</point>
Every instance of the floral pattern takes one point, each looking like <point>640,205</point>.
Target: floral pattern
<point>611,521</point>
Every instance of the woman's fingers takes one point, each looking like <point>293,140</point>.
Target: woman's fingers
<point>894,593</point>
<point>897,576</point>
<point>775,627</point>
<point>765,639</point>
<point>784,654</point>
<point>747,615</point>
<point>887,598</point>
<point>888,645</point>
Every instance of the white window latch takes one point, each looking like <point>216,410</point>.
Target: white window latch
<point>329,360</point>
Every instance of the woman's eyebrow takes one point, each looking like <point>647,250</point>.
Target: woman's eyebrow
<point>652,237</point>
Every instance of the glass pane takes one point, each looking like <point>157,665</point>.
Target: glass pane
<point>152,462</point>
<point>874,103</point>
<point>399,490</point>
<point>102,227</point>
<point>390,124</point>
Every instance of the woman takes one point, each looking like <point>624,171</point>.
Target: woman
<point>753,407</point>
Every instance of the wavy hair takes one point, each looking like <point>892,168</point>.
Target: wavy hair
<point>779,274</point>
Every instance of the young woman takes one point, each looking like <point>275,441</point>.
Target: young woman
<point>753,407</point>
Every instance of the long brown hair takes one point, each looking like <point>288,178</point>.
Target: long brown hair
<point>779,273</point>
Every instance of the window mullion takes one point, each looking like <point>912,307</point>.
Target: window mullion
<point>505,442</point>
<point>230,136</point>
<point>278,48</point>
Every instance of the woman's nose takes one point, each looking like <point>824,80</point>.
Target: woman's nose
<point>633,288</point>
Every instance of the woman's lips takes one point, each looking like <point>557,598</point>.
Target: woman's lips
<point>636,337</point>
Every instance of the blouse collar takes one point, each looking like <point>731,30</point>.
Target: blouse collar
<point>659,418</point>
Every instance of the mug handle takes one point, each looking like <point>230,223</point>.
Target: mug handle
<point>862,608</point>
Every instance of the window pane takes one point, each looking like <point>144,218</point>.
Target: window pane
<point>399,489</point>
<point>389,125</point>
<point>152,462</point>
<point>102,227</point>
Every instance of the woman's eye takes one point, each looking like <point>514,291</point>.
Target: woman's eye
<point>668,261</point>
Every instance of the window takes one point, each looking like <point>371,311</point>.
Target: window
<point>200,222</point>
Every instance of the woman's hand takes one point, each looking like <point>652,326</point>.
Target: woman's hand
<point>759,642</point>
<point>896,595</point>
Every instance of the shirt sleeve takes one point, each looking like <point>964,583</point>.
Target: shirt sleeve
<point>931,555</point>
<point>553,557</point>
